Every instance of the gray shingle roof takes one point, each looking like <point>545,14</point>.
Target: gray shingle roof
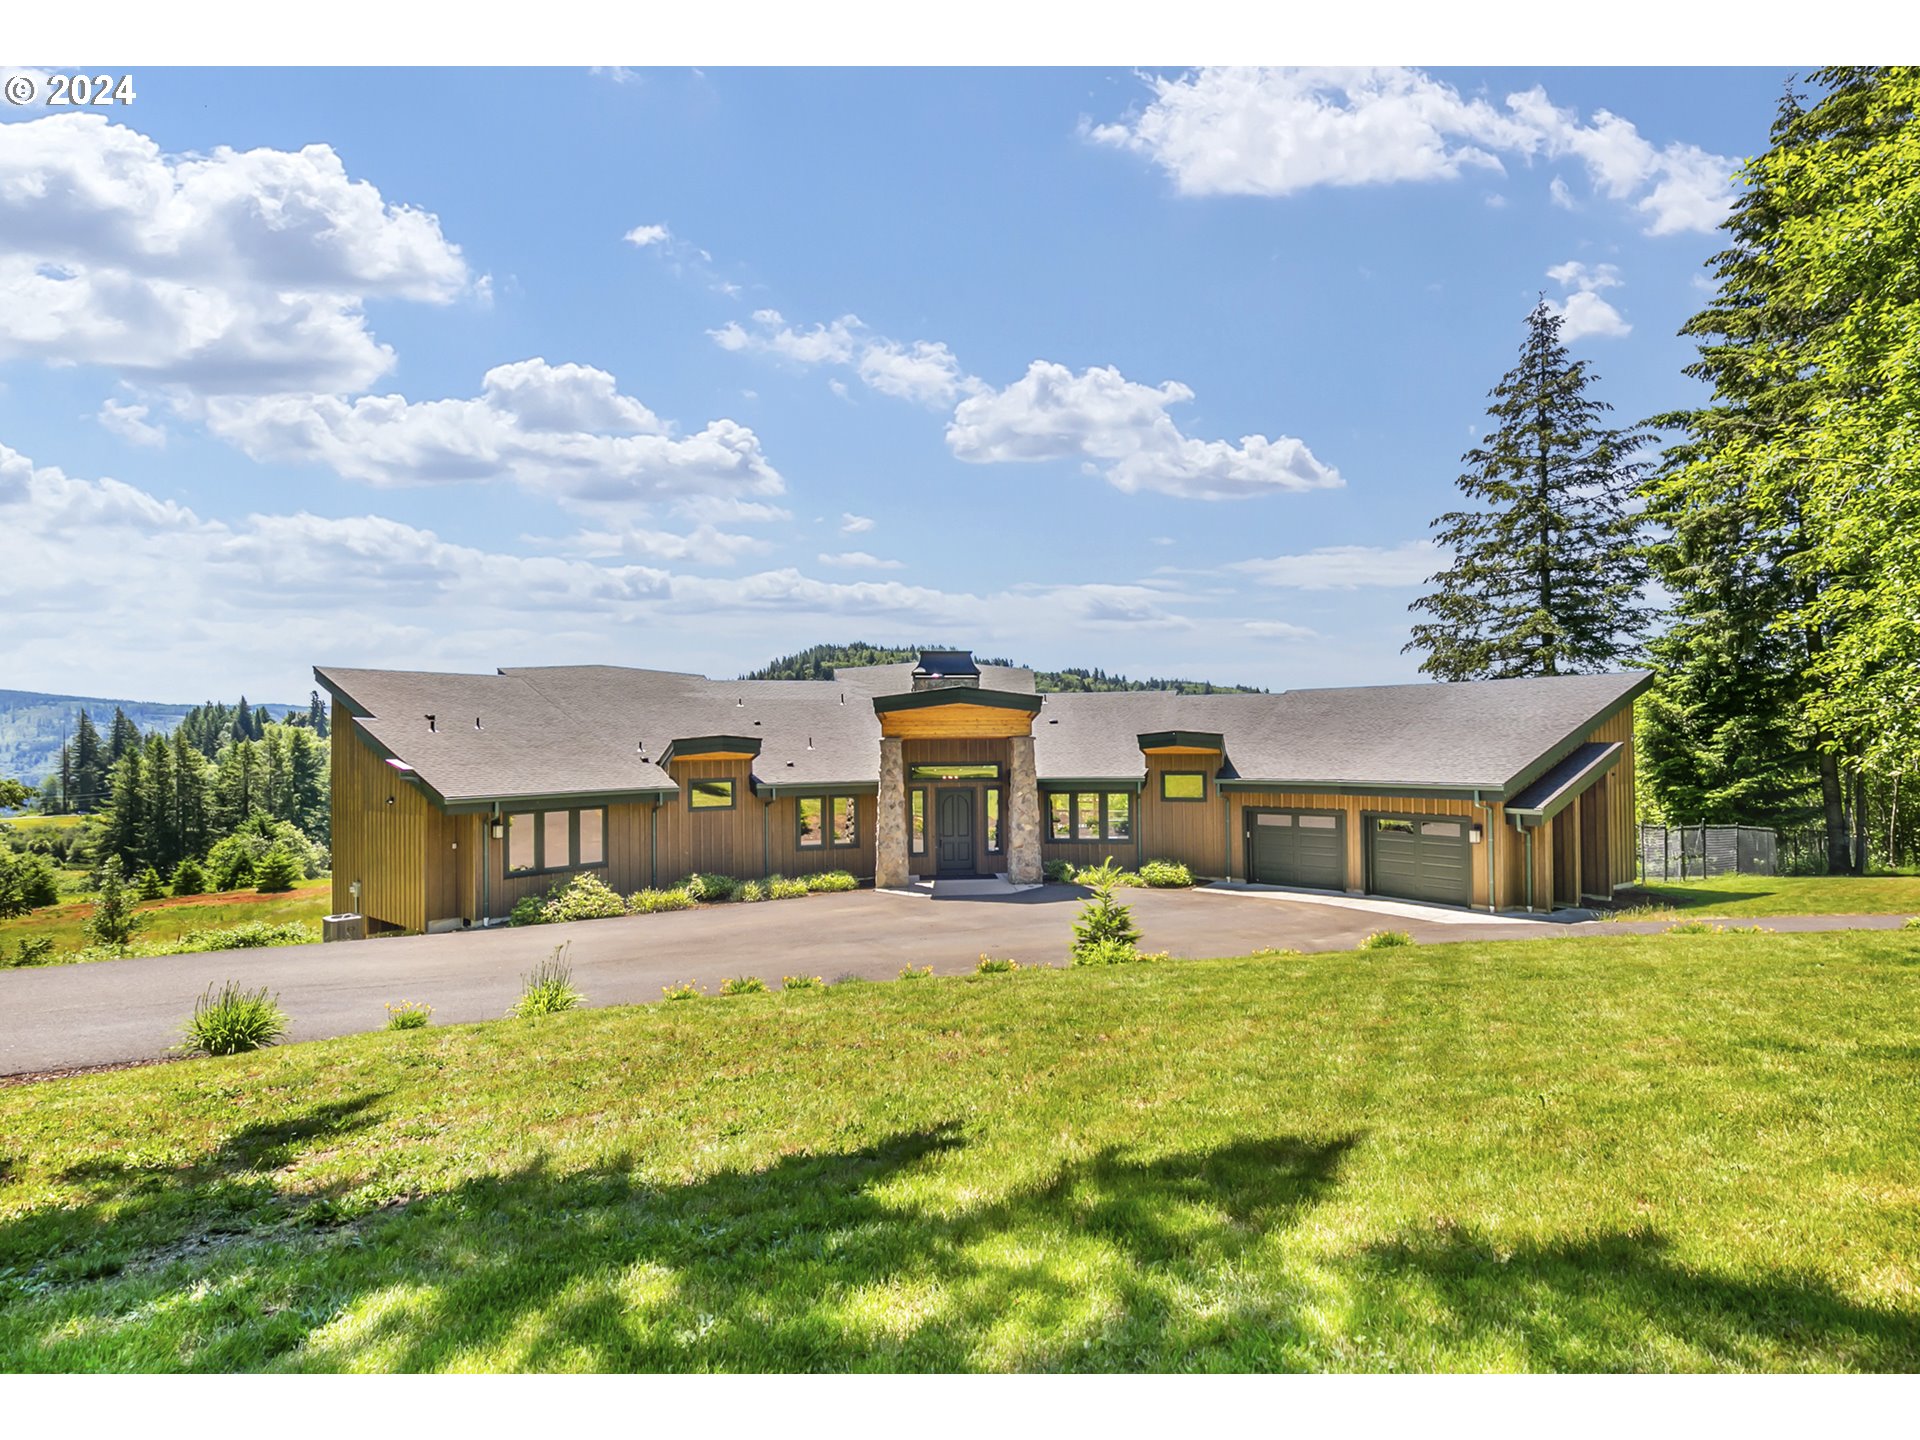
<point>575,729</point>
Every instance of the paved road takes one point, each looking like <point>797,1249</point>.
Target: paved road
<point>75,1015</point>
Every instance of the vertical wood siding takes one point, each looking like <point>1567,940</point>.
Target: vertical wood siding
<point>382,846</point>
<point>783,835</point>
<point>1190,832</point>
<point>1358,809</point>
<point>1622,835</point>
<point>625,870</point>
<point>714,842</point>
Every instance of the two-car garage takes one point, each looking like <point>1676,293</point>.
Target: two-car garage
<point>1406,857</point>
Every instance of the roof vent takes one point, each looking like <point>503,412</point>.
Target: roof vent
<point>432,726</point>
<point>946,669</point>
<point>476,722</point>
<point>809,742</point>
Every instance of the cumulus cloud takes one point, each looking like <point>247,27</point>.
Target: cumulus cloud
<point>563,431</point>
<point>925,372</point>
<point>1238,131</point>
<point>1584,310</point>
<point>860,560</point>
<point>130,423</point>
<point>830,344</point>
<point>1122,430</point>
<point>1348,567</point>
<point>645,235</point>
<point>231,272</point>
<point>851,524</point>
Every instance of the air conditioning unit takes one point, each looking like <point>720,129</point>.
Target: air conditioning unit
<point>343,927</point>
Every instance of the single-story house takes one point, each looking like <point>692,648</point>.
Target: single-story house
<point>456,795</point>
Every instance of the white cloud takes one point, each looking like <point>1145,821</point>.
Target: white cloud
<point>704,545</point>
<point>831,344</point>
<point>564,431</point>
<point>1233,131</point>
<point>860,560</point>
<point>1278,630</point>
<point>130,423</point>
<point>924,371</point>
<point>851,524</point>
<point>1584,311</point>
<point>1122,430</point>
<point>1558,192</point>
<point>1349,567</point>
<point>642,236</point>
<point>229,272</point>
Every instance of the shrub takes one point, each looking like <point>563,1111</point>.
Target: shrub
<point>275,871</point>
<point>585,897</point>
<point>925,972</point>
<point>990,966</point>
<point>230,1020</point>
<point>688,991</point>
<point>233,861</point>
<point>1106,875</point>
<point>752,892</point>
<point>743,985</point>
<point>32,950</point>
<point>252,935</point>
<point>711,889</point>
<point>646,902</point>
<point>27,882</point>
<point>1058,872</point>
<point>148,885</point>
<point>528,910</point>
<point>782,888</point>
<point>1103,921</point>
<point>1386,940</point>
<point>408,1015</point>
<point>549,987</point>
<point>830,880</point>
<point>1107,952</point>
<point>113,921</point>
<point>802,982</point>
<point>1165,875</point>
<point>1913,923</point>
<point>189,878</point>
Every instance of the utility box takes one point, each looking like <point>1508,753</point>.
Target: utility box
<point>343,927</point>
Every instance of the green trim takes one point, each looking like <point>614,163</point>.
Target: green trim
<point>957,695</point>
<point>561,800</point>
<point>1348,787</point>
<point>1101,822</point>
<point>1093,782</point>
<point>827,787</point>
<point>827,840</point>
<point>540,866</point>
<point>692,747</point>
<point>1192,739</point>
<point>1200,799</point>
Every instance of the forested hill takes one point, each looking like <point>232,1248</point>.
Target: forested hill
<point>32,726</point>
<point>817,662</point>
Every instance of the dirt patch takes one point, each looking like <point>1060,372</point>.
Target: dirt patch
<point>34,1077</point>
<point>237,897</point>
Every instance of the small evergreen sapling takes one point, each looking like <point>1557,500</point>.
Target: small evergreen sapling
<point>114,919</point>
<point>276,871</point>
<point>1104,925</point>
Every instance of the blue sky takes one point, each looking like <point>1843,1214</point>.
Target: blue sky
<point>1162,372</point>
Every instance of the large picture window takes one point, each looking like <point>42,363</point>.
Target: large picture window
<point>825,821</point>
<point>1183,785</point>
<point>555,840</point>
<point>1090,815</point>
<point>710,794</point>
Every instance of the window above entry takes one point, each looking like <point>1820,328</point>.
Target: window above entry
<point>921,774</point>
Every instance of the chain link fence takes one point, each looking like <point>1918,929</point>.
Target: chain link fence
<point>1694,852</point>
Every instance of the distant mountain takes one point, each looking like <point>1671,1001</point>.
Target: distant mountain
<point>817,662</point>
<point>33,725</point>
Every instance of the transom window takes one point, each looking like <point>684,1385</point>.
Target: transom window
<point>1183,785</point>
<point>919,773</point>
<point>710,794</point>
<point>540,840</point>
<point>1090,815</point>
<point>828,822</point>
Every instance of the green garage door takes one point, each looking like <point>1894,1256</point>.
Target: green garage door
<point>1290,847</point>
<point>1420,860</point>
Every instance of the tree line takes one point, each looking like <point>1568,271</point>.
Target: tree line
<point>1782,515</point>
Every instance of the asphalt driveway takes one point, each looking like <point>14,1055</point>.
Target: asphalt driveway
<point>66,1016</point>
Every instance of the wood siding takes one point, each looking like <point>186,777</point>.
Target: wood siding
<point>783,840</point>
<point>1356,810</point>
<point>627,868</point>
<point>714,842</point>
<point>382,846</point>
<point>1622,832</point>
<point>943,722</point>
<point>1191,832</point>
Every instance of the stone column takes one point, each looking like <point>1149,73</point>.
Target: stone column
<point>890,862</point>
<point>1023,815</point>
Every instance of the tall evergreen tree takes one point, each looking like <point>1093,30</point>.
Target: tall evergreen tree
<point>1547,571</point>
<point>317,714</point>
<point>126,826</point>
<point>243,725</point>
<point>89,766</point>
<point>122,736</point>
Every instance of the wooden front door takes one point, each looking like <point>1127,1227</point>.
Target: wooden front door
<point>953,830</point>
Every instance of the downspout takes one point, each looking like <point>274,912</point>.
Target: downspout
<point>486,863</point>
<point>1226,833</point>
<point>766,842</point>
<point>1528,832</point>
<point>653,845</point>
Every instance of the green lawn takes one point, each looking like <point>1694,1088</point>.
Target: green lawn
<point>169,919</point>
<point>1629,1152</point>
<point>30,823</point>
<point>1750,895</point>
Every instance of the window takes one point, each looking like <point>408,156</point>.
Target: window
<point>955,771</point>
<point>522,851</point>
<point>1449,828</point>
<point>1394,827</point>
<point>917,827</point>
<point>1059,817</point>
<point>1272,819</point>
<point>1119,816</point>
<point>592,848</point>
<point>710,794</point>
<point>1319,822</point>
<point>993,822</point>
<point>827,820</point>
<point>1090,815</point>
<point>846,830</point>
<point>1183,785</point>
<point>555,840</point>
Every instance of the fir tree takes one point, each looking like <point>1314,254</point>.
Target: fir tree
<point>243,724</point>
<point>276,871</point>
<point>123,736</point>
<point>317,714</point>
<point>89,766</point>
<point>126,825</point>
<point>114,919</point>
<point>1546,575</point>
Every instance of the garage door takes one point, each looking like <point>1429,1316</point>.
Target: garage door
<point>1420,859</point>
<point>1290,847</point>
